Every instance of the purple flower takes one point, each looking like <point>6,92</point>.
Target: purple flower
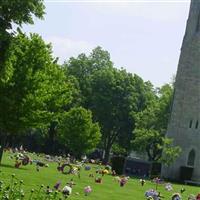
<point>57,185</point>
<point>87,190</point>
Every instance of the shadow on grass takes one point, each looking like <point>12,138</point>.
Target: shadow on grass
<point>11,167</point>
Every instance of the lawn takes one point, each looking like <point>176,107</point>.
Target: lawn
<point>108,190</point>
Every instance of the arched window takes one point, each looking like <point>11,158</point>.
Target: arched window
<point>191,158</point>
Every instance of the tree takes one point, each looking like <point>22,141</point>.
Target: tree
<point>78,132</point>
<point>15,13</point>
<point>37,90</point>
<point>83,67</point>
<point>112,101</point>
<point>113,96</point>
<point>151,125</point>
<point>169,152</point>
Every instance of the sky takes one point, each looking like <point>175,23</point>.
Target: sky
<point>144,37</point>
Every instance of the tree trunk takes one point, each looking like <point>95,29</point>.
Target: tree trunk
<point>1,153</point>
<point>2,145</point>
<point>50,145</point>
<point>150,170</point>
<point>106,155</point>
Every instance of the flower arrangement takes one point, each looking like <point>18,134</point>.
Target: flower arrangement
<point>123,181</point>
<point>57,185</point>
<point>98,180</point>
<point>152,194</point>
<point>198,197</point>
<point>168,187</point>
<point>142,182</point>
<point>87,168</point>
<point>67,190</point>
<point>105,171</point>
<point>113,173</point>
<point>158,181</point>
<point>87,190</point>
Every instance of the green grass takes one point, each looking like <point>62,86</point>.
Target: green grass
<point>108,190</point>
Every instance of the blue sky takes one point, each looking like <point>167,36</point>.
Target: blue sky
<point>142,37</point>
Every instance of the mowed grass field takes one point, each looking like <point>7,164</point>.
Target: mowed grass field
<point>108,190</point>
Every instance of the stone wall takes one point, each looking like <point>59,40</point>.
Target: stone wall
<point>184,124</point>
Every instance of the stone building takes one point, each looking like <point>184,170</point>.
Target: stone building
<point>184,123</point>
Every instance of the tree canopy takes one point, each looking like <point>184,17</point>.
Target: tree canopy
<point>36,88</point>
<point>151,125</point>
<point>113,96</point>
<point>37,91</point>
<point>19,12</point>
<point>78,132</point>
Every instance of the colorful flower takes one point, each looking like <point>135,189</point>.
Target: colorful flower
<point>67,190</point>
<point>57,185</point>
<point>87,190</point>
<point>168,187</point>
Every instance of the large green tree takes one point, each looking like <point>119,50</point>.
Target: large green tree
<point>113,96</point>
<point>113,99</point>
<point>78,132</point>
<point>37,91</point>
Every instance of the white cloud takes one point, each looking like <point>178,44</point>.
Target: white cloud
<point>64,47</point>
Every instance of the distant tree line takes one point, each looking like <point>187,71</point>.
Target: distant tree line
<point>83,104</point>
